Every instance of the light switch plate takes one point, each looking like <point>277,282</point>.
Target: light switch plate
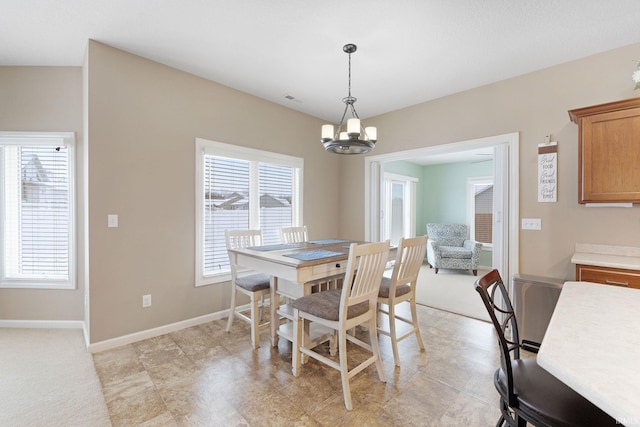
<point>112,220</point>
<point>531,224</point>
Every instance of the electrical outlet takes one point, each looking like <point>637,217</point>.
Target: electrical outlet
<point>146,300</point>
<point>531,224</point>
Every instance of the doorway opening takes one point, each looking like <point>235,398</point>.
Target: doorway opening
<point>504,215</point>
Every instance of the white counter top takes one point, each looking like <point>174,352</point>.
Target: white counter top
<point>592,344</point>
<point>626,257</point>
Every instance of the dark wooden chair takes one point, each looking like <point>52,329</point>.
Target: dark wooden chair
<point>528,393</point>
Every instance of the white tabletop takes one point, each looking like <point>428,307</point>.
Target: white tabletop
<point>592,344</point>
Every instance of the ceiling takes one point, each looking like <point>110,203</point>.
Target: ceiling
<point>290,51</point>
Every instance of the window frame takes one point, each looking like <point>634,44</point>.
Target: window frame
<point>471,183</point>
<point>409,184</point>
<point>220,149</point>
<point>66,139</point>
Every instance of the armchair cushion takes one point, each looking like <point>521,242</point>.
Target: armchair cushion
<point>458,252</point>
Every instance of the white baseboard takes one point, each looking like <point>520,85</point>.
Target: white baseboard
<point>43,324</point>
<point>118,341</point>
<point>154,332</point>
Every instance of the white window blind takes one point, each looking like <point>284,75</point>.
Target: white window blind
<point>37,211</point>
<point>226,190</point>
<point>276,189</point>
<point>241,188</point>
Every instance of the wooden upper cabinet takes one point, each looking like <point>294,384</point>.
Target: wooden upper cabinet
<point>608,152</point>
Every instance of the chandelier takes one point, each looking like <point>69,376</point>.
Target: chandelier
<point>356,139</point>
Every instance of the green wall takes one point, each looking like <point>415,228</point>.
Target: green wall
<point>442,192</point>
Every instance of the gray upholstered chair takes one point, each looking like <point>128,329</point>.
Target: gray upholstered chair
<point>449,247</point>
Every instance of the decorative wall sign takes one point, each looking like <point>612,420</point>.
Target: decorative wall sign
<point>548,171</point>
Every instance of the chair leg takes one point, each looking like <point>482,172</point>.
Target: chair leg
<point>255,330</point>
<point>414,319</point>
<point>475,272</point>
<point>392,333</point>
<point>333,343</point>
<point>261,308</point>
<point>232,310</point>
<point>436,271</point>
<point>296,355</point>
<point>344,369</point>
<point>520,422</point>
<point>375,347</point>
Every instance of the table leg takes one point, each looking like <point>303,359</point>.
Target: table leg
<point>296,355</point>
<point>274,303</point>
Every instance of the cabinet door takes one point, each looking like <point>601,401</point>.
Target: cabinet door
<point>610,157</point>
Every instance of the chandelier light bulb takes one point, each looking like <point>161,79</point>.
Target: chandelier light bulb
<point>371,133</point>
<point>327,133</point>
<point>353,127</point>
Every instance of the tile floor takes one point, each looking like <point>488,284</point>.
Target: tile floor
<point>203,376</point>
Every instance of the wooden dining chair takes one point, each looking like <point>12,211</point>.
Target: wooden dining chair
<point>401,287</point>
<point>342,310</point>
<point>255,285</point>
<point>293,234</point>
<point>528,393</point>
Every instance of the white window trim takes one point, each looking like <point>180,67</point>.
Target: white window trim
<point>221,149</point>
<point>409,220</point>
<point>471,183</point>
<point>66,139</point>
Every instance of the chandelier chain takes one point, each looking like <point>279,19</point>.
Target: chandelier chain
<point>349,74</point>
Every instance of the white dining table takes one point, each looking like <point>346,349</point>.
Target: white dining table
<point>592,344</point>
<point>293,276</point>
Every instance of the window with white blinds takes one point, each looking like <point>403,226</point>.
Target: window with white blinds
<point>241,188</point>
<point>36,210</point>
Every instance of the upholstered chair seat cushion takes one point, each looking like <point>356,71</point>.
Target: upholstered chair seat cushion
<point>254,282</point>
<point>457,252</point>
<point>385,286</point>
<point>539,392</point>
<point>326,304</point>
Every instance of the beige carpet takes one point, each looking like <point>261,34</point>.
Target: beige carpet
<point>47,378</point>
<point>451,290</point>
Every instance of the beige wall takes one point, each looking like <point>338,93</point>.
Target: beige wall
<point>534,105</point>
<point>142,118</point>
<point>41,99</point>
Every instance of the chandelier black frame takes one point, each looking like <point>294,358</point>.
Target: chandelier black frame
<point>357,139</point>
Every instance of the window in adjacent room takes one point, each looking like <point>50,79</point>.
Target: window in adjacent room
<point>241,188</point>
<point>37,205</point>
<point>399,207</point>
<point>480,209</point>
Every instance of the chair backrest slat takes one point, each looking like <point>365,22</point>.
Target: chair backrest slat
<point>293,234</point>
<point>240,239</point>
<point>408,260</point>
<point>365,268</point>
